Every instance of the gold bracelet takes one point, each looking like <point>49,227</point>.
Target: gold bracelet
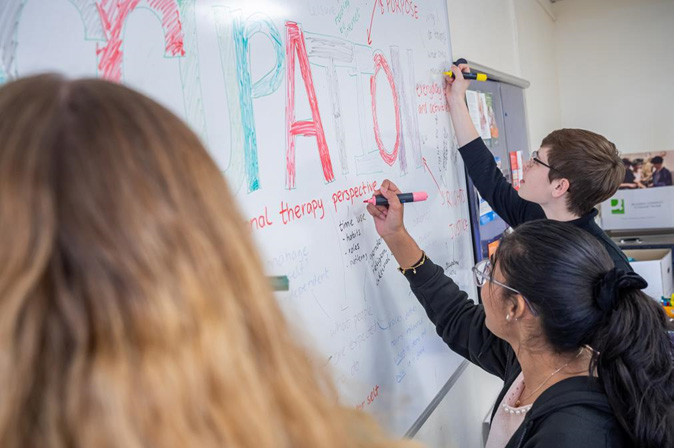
<point>414,268</point>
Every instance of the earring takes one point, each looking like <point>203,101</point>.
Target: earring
<point>508,317</point>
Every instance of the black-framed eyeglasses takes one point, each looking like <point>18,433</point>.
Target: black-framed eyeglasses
<point>482,275</point>
<point>534,157</point>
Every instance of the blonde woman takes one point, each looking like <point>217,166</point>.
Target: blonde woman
<point>647,173</point>
<point>132,311</point>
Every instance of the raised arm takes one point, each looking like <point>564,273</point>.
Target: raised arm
<point>479,161</point>
<point>458,321</point>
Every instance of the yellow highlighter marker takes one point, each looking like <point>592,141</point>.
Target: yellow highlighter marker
<point>475,76</point>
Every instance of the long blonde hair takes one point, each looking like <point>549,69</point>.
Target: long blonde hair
<point>133,307</point>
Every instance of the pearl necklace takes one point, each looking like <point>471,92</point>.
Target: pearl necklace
<point>517,403</point>
<point>518,411</point>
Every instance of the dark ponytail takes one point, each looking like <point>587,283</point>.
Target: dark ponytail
<point>582,299</point>
<point>634,362</point>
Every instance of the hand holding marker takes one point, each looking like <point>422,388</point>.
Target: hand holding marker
<point>402,197</point>
<point>469,75</point>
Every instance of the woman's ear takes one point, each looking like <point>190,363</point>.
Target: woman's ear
<point>517,307</point>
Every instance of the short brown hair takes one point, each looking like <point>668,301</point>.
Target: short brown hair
<point>591,164</point>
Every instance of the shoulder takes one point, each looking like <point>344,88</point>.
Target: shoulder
<point>582,418</point>
<point>617,255</point>
<point>575,426</point>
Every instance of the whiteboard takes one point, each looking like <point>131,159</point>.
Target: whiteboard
<point>306,106</point>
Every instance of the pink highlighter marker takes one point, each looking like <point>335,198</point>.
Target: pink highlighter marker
<point>403,197</point>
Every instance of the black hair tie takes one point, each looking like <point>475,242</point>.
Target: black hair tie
<point>606,290</point>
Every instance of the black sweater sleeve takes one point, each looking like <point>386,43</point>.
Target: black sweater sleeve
<point>458,321</point>
<point>494,188</point>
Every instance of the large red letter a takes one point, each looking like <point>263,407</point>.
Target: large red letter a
<point>295,45</point>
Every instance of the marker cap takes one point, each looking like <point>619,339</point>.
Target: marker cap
<point>420,196</point>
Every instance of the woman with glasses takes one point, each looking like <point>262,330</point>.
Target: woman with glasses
<point>565,179</point>
<point>583,353</point>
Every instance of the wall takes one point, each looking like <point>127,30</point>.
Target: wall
<point>515,37</point>
<point>615,62</point>
<point>483,31</point>
<point>538,65</point>
<point>604,40</point>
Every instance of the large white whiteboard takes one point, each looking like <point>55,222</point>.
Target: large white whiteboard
<point>230,68</point>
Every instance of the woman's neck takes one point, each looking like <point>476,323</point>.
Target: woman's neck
<point>544,369</point>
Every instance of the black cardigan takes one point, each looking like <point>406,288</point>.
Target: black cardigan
<point>514,210</point>
<point>572,413</point>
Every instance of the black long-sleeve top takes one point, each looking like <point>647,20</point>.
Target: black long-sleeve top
<point>514,210</point>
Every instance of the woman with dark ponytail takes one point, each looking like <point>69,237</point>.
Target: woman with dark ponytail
<point>584,301</point>
<point>583,352</point>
